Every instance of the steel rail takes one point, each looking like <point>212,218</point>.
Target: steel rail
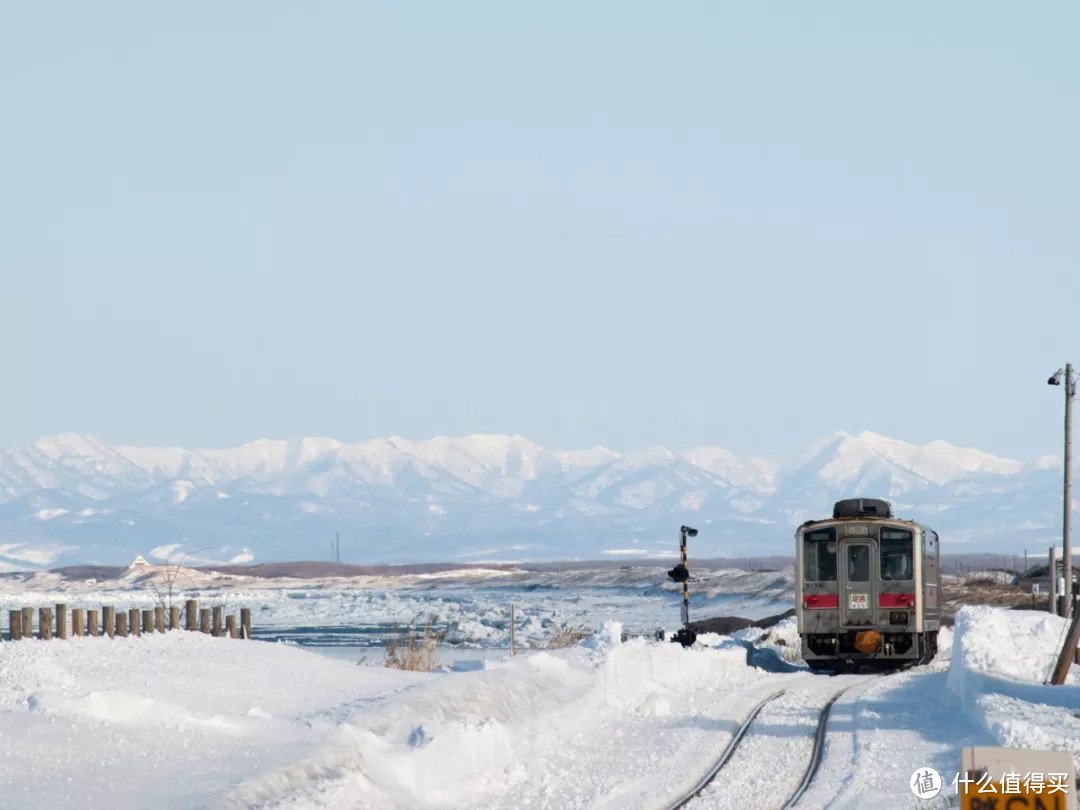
<point>725,756</point>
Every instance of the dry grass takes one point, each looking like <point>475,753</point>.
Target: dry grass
<point>567,636</point>
<point>415,652</point>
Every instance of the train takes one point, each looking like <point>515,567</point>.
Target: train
<point>868,589</point>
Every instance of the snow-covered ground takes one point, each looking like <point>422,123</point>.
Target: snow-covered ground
<point>184,720</point>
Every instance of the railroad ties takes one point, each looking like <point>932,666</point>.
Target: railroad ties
<point>78,622</point>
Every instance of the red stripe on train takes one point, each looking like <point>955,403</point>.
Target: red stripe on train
<point>893,600</point>
<point>821,600</point>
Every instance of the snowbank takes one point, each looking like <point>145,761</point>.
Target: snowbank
<point>166,707</point>
<point>536,725</point>
<point>1016,644</point>
<point>999,661</point>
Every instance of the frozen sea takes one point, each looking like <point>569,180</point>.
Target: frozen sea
<point>471,608</point>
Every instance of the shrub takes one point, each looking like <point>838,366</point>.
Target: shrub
<point>415,652</point>
<point>567,636</point>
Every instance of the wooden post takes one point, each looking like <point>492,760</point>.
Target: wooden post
<point>133,621</point>
<point>192,614</point>
<point>1068,651</point>
<point>121,624</point>
<point>217,620</point>
<point>61,620</point>
<point>77,627</point>
<point>159,618</point>
<point>245,623</point>
<point>204,620</point>
<point>45,616</point>
<point>27,622</point>
<point>108,620</point>
<point>15,624</point>
<point>92,622</point>
<point>148,621</point>
<point>230,626</point>
<point>174,618</point>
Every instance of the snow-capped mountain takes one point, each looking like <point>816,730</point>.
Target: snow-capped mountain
<point>72,497</point>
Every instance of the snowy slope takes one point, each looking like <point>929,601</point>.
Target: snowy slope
<point>490,496</point>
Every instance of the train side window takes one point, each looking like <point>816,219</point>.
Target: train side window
<point>858,563</point>
<point>897,558</point>
<point>819,556</point>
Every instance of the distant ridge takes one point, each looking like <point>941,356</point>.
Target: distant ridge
<point>501,498</point>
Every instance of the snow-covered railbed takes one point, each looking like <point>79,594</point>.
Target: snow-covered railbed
<point>782,735</point>
<point>630,726</point>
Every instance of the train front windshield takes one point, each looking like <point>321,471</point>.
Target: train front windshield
<point>897,559</point>
<point>819,556</point>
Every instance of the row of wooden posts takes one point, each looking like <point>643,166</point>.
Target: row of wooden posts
<point>123,623</point>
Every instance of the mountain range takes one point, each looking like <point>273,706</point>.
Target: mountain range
<point>71,498</point>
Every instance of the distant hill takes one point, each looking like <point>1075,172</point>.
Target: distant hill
<point>71,498</point>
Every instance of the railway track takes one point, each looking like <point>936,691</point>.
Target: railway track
<point>701,788</point>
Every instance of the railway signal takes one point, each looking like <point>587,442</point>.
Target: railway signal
<point>680,573</point>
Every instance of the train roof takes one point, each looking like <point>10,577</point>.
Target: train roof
<point>864,519</point>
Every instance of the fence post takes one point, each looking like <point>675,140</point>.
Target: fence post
<point>148,621</point>
<point>217,620</point>
<point>28,622</point>
<point>204,620</point>
<point>61,620</point>
<point>174,618</point>
<point>15,624</point>
<point>133,621</point>
<point>92,622</point>
<point>192,614</point>
<point>159,618</point>
<point>108,620</point>
<point>45,623</point>
<point>77,627</point>
<point>245,623</point>
<point>121,624</point>
<point>230,626</point>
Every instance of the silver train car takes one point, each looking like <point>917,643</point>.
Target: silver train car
<point>867,588</point>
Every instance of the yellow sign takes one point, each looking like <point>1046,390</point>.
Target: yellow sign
<point>1016,779</point>
<point>971,799</point>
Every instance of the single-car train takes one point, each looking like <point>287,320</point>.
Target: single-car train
<point>867,588</point>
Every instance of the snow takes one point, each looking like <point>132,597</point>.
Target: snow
<point>1017,644</point>
<point>472,604</point>
<point>480,491</point>
<point>166,721</point>
<point>605,724</point>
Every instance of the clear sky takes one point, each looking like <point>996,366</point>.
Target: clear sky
<point>625,223</point>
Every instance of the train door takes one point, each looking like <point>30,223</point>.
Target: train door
<point>857,592</point>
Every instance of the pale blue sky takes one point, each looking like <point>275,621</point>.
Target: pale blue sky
<point>619,223</point>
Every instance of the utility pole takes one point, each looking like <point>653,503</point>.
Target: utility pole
<point>1066,522</point>
<point>1053,580</point>
<point>1066,511</point>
